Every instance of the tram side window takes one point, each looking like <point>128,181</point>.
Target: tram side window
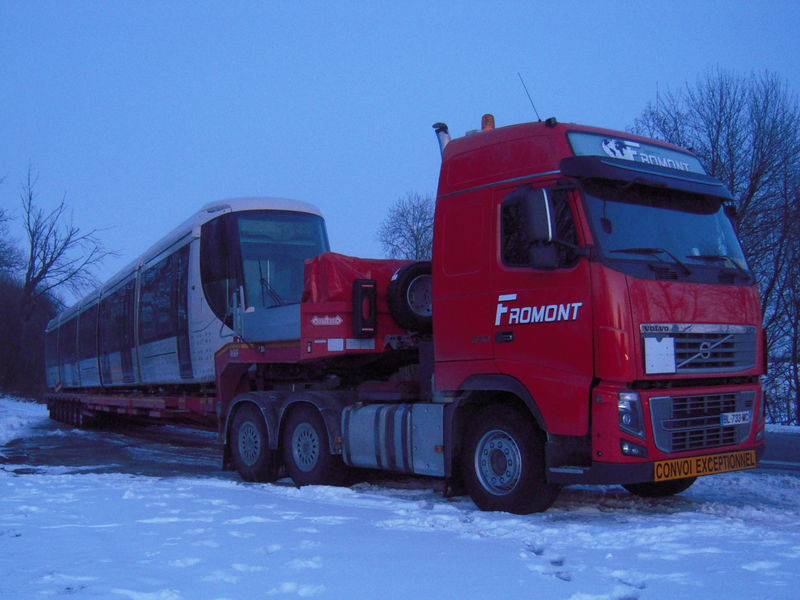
<point>163,302</point>
<point>152,301</point>
<point>116,331</point>
<point>180,304</point>
<point>51,348</point>
<point>154,306</point>
<point>218,266</point>
<point>112,315</point>
<point>87,329</point>
<point>68,350</point>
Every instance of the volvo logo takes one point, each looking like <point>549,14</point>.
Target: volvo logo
<point>705,350</point>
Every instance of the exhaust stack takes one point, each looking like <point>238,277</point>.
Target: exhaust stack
<point>442,134</point>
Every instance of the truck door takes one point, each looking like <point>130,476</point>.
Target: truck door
<point>543,317</point>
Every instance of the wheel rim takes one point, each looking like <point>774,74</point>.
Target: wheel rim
<point>418,295</point>
<point>249,443</point>
<point>305,447</point>
<point>498,462</point>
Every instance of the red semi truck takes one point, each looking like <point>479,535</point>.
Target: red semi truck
<point>588,317</point>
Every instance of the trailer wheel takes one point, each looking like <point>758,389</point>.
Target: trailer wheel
<point>252,456</point>
<point>410,297</point>
<point>75,414</point>
<point>306,451</point>
<point>503,463</point>
<point>660,489</point>
<point>52,407</point>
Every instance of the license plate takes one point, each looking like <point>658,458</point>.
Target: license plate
<point>735,418</point>
<point>694,466</point>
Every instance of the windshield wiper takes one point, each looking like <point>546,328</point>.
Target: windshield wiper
<point>270,291</point>
<point>267,289</point>
<point>654,252</point>
<point>724,258</point>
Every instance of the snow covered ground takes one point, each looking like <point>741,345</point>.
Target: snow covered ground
<point>142,519</point>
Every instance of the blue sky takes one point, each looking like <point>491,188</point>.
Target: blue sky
<point>140,112</point>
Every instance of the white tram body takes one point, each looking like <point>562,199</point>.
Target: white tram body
<point>236,266</point>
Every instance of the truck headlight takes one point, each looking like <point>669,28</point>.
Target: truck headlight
<point>630,414</point>
<point>631,449</point>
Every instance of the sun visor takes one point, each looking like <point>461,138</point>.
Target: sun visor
<point>597,167</point>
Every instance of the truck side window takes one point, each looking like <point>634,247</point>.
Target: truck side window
<point>515,244</point>
<point>565,228</point>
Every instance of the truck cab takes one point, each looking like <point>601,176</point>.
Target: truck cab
<point>594,280</point>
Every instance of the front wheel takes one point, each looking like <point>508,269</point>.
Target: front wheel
<point>306,451</point>
<point>660,489</point>
<point>252,456</point>
<point>503,463</point>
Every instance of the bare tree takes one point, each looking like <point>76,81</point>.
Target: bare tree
<point>54,255</point>
<point>407,231</point>
<point>59,254</point>
<point>10,256</point>
<point>745,131</point>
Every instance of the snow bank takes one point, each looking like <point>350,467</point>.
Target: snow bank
<point>17,416</point>
<point>210,538</point>
<point>784,429</point>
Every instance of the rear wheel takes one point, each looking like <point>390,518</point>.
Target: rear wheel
<point>503,463</point>
<point>660,489</point>
<point>306,452</point>
<point>252,456</point>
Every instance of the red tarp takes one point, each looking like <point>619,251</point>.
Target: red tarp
<point>329,277</point>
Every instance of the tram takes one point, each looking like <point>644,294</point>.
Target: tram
<point>233,268</point>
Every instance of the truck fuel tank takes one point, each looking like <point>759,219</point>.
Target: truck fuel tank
<point>405,438</point>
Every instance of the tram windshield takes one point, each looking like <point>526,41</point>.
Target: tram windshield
<point>274,247</point>
<point>264,252</point>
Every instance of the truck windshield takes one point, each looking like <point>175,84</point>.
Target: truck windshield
<point>633,222</point>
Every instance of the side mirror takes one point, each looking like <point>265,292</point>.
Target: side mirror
<point>543,256</point>
<point>537,214</point>
<point>538,219</point>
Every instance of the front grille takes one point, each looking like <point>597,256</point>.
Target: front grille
<point>707,348</point>
<point>695,422</point>
<point>701,352</point>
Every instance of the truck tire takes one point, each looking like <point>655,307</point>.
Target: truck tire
<point>503,463</point>
<point>410,297</point>
<point>252,456</point>
<point>660,489</point>
<point>306,452</point>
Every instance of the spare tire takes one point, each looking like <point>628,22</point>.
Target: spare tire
<point>411,297</point>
